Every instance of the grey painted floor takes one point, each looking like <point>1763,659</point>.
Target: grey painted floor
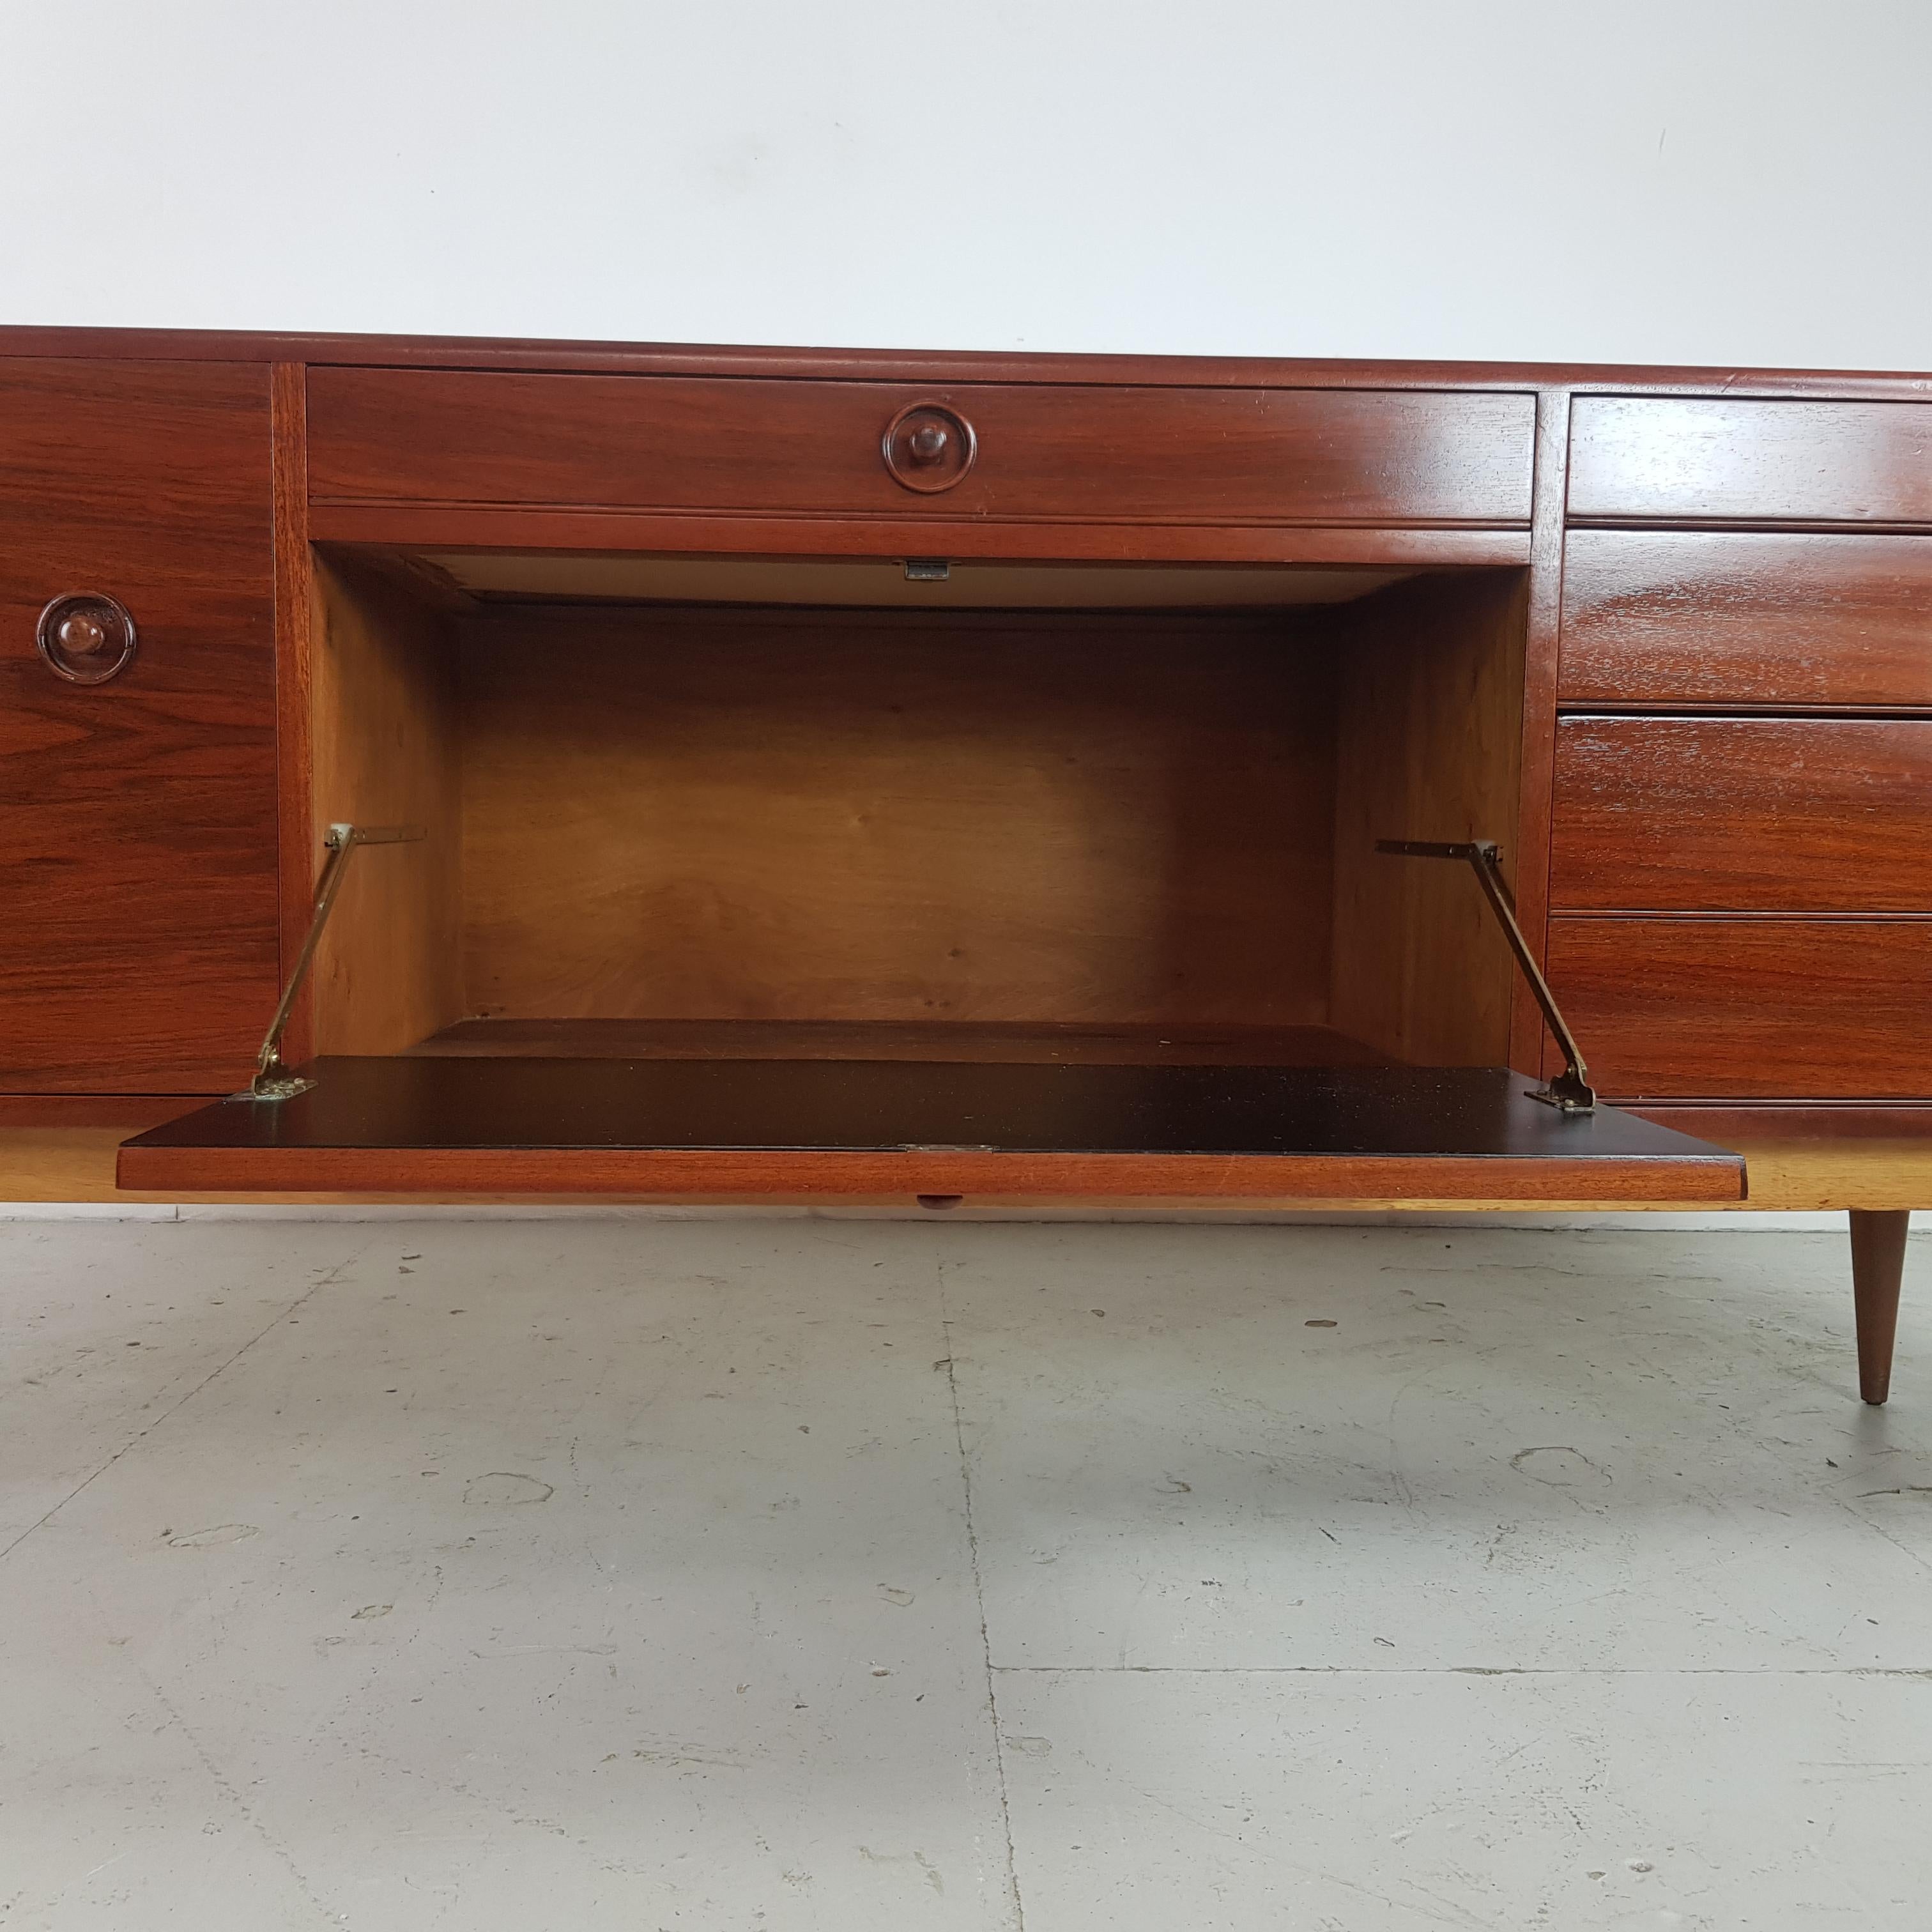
<point>623,1573</point>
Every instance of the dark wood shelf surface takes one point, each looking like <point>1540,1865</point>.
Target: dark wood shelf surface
<point>598,1125</point>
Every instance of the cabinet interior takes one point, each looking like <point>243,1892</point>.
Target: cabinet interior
<point>692,807</point>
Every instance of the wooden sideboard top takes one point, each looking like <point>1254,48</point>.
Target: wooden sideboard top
<point>458,351</point>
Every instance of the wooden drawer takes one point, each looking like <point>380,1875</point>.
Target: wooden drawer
<point>139,946</point>
<point>1733,460</point>
<point>1743,815</point>
<point>1736,617</point>
<point>1749,1009</point>
<point>1054,451</point>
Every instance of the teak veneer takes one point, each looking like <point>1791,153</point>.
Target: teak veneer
<point>847,775</point>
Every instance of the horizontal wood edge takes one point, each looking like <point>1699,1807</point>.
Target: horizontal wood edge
<point>1689,1178</point>
<point>1727,1122</point>
<point>1757,523</point>
<point>132,1113</point>
<point>1714,915</point>
<point>1608,708</point>
<point>831,534</point>
<point>537,356</point>
<point>76,1164</point>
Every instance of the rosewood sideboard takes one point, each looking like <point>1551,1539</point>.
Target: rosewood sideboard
<point>464,769</point>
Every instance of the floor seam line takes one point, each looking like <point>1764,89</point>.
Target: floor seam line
<point>979,1605</point>
<point>174,1409</point>
<point>1906,1670</point>
<point>226,1788</point>
<point>1865,1522</point>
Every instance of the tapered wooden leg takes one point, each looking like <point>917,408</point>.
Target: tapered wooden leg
<point>1878,1266</point>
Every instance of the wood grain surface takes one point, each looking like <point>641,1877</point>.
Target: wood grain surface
<point>138,947</point>
<point>925,366</point>
<point>64,1157</point>
<point>1743,815</point>
<point>1749,1008</point>
<point>142,818</point>
<point>897,817</point>
<point>385,752</point>
<point>810,1174</point>
<point>890,536</point>
<point>1528,854</point>
<point>1111,453</point>
<point>297,837</point>
<point>1429,743</point>
<point>1723,460</point>
<point>1732,1123</point>
<point>1734,617</point>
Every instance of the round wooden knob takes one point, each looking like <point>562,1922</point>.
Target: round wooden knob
<point>82,634</point>
<point>928,447</point>
<point>86,638</point>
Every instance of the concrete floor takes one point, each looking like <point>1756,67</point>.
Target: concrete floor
<point>791,1574</point>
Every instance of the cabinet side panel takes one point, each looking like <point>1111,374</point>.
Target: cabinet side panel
<point>1429,747</point>
<point>388,972</point>
<point>295,604</point>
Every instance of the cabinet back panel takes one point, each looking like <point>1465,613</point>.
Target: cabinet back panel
<point>872,816</point>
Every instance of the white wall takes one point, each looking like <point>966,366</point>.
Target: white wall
<point>1706,180</point>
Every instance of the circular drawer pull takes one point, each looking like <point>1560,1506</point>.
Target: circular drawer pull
<point>86,638</point>
<point>928,447</point>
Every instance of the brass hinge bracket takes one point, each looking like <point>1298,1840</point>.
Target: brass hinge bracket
<point>274,1079</point>
<point>1570,1092</point>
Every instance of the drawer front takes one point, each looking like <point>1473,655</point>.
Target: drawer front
<point>138,949</point>
<point>1749,1009</point>
<point>1737,617</point>
<point>1690,459</point>
<point>1742,814</point>
<point>722,444</point>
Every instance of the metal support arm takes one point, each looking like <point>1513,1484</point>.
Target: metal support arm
<point>1571,1091</point>
<point>274,1080</point>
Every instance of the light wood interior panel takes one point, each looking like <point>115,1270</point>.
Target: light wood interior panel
<point>1139,823</point>
<point>705,815</point>
<point>1429,739</point>
<point>385,751</point>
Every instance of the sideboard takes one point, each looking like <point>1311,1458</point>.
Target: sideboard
<point>473,769</point>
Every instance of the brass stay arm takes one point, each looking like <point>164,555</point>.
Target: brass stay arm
<point>1571,1091</point>
<point>274,1080</point>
